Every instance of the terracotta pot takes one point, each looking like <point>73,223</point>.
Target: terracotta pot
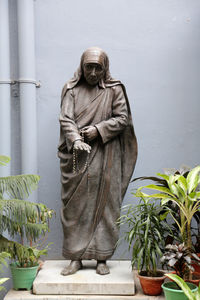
<point>195,278</point>
<point>196,266</point>
<point>151,285</point>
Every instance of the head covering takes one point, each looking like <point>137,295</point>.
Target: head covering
<point>92,55</point>
<point>95,55</point>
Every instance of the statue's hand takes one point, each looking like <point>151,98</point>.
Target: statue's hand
<point>79,145</point>
<point>90,132</point>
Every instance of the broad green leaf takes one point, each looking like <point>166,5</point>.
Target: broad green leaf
<point>172,186</point>
<point>159,188</point>
<point>141,194</point>
<point>164,176</point>
<point>166,199</point>
<point>173,178</point>
<point>198,195</point>
<point>187,291</point>
<point>183,183</point>
<point>193,179</point>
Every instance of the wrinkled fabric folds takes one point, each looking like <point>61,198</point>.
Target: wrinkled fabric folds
<point>92,196</point>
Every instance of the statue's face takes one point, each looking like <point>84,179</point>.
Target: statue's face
<point>93,72</point>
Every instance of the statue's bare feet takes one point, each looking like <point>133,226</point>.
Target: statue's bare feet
<point>102,268</point>
<point>73,267</point>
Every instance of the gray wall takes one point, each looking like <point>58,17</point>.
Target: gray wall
<point>154,48</point>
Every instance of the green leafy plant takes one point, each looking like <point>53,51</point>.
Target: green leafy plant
<point>179,258</point>
<point>183,285</point>
<point>183,192</point>
<point>146,234</point>
<point>3,256</point>
<point>21,218</point>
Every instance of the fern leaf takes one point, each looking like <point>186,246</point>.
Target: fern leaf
<point>27,218</point>
<point>19,186</point>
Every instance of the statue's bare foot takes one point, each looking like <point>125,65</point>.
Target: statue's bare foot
<point>73,267</point>
<point>102,268</point>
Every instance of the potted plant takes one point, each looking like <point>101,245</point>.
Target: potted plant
<point>187,290</point>
<point>196,239</point>
<point>25,220</point>
<point>183,192</point>
<point>145,237</point>
<point>3,256</point>
<point>179,258</point>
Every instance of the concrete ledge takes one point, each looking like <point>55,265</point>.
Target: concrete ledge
<point>26,295</point>
<point>85,282</point>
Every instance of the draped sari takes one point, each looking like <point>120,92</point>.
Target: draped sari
<point>92,196</point>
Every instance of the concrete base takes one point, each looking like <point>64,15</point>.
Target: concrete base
<point>85,282</point>
<point>25,295</point>
<point>49,279</point>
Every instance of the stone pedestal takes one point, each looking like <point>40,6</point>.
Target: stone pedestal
<point>85,281</point>
<point>84,285</point>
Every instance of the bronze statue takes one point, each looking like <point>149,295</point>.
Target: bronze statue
<point>97,151</point>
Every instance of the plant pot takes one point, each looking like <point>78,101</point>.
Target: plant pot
<point>172,292</point>
<point>195,278</point>
<point>196,266</point>
<point>151,285</point>
<point>23,277</point>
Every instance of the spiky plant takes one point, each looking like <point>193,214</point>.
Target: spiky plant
<point>21,218</point>
<point>145,235</point>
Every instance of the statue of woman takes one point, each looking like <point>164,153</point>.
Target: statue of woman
<point>97,151</point>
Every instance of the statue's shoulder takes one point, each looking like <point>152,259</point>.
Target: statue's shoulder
<point>117,87</point>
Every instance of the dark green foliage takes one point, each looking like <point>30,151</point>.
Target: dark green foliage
<point>26,256</point>
<point>179,258</point>
<point>181,188</point>
<point>19,217</point>
<point>146,234</point>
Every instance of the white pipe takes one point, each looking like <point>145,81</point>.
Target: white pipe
<point>26,36</point>
<point>5,138</point>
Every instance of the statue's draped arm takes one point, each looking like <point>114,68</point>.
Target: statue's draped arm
<point>110,128</point>
<point>68,125</point>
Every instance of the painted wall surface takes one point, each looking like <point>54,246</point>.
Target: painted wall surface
<point>154,48</point>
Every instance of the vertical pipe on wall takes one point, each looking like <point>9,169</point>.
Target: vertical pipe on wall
<point>26,36</point>
<point>5,135</point>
